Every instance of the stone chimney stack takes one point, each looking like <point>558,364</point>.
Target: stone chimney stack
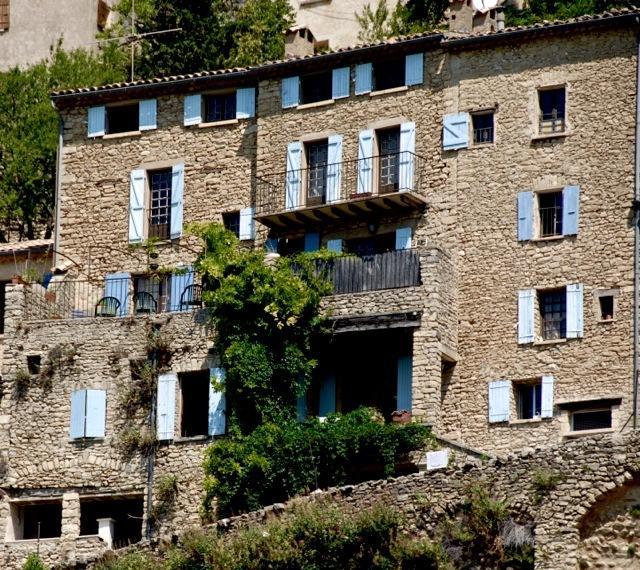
<point>465,19</point>
<point>298,42</point>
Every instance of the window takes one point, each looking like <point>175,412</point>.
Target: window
<point>315,87</point>
<point>606,303</point>
<point>388,74</point>
<point>194,389</point>
<point>317,157</point>
<point>33,363</point>
<point>482,124</point>
<point>4,15</point>
<point>42,519</point>
<point>231,222</point>
<point>553,313</point>
<point>552,104</point>
<point>389,151</point>
<point>550,206</point>
<point>88,414</point>
<point>151,294</point>
<point>380,243</point>
<point>126,514</point>
<point>529,400</point>
<point>122,118</point>
<point>219,107</point>
<point>160,203</point>
<point>591,419</point>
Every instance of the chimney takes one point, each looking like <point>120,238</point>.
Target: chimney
<point>465,19</point>
<point>298,42</point>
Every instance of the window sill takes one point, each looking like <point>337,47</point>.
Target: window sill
<point>128,134</point>
<point>549,342</point>
<point>389,91</point>
<point>550,136</point>
<point>547,238</point>
<point>218,123</point>
<point>19,541</point>
<point>527,421</point>
<point>601,322</point>
<point>586,432</point>
<point>191,439</point>
<point>87,439</point>
<point>482,145</point>
<point>316,104</point>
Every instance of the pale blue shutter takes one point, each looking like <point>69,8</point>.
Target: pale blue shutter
<point>525,215</point>
<point>311,241</point>
<point>413,69</point>
<point>570,210</point>
<point>177,192</point>
<point>334,167</point>
<point>327,403</point>
<point>364,77</point>
<point>96,117</point>
<point>340,83</point>
<point>217,402</point>
<point>271,245</point>
<point>166,405</point>
<point>403,238</point>
<point>147,114</point>
<point>78,409</point>
<point>96,413</point>
<point>117,285</point>
<point>294,176</point>
<point>290,92</point>
<point>246,103</point>
<point>455,132</point>
<point>407,155</point>
<point>499,400</point>
<point>335,245</point>
<point>365,162</point>
<point>137,191</point>
<point>192,110</point>
<point>179,282</point>
<point>404,385</point>
<point>301,408</point>
<point>526,300</point>
<point>546,405</point>
<point>574,310</point>
<point>247,224</point>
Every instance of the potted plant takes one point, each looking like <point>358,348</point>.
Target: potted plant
<point>401,417</point>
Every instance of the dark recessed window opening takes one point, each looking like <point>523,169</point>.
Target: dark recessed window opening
<point>122,118</point>
<point>33,363</point>
<point>482,128</point>
<point>317,157</point>
<point>529,398</point>
<point>389,150</point>
<point>42,520</point>
<point>126,513</point>
<point>3,285</point>
<point>219,107</point>
<point>550,211</point>
<point>552,110</point>
<point>553,313</point>
<point>194,387</point>
<point>380,243</point>
<point>231,222</point>
<point>606,307</point>
<point>594,419</point>
<point>290,246</point>
<point>160,202</point>
<point>316,87</point>
<point>388,74</point>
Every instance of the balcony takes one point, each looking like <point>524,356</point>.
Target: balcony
<point>380,186</point>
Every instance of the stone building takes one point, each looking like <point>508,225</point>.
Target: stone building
<point>484,185</point>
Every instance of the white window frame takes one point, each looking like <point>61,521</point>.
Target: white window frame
<point>588,410</point>
<point>538,111</point>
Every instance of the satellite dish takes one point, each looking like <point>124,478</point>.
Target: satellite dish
<point>484,5</point>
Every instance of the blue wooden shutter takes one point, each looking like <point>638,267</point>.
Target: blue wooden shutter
<point>499,400</point>
<point>247,224</point>
<point>526,300</point>
<point>525,215</point>
<point>78,413</point>
<point>570,210</point>
<point>340,83</point>
<point>271,245</point>
<point>403,238</point>
<point>217,402</point>
<point>301,408</point>
<point>137,191</point>
<point>365,162</point>
<point>166,405</point>
<point>455,132</point>
<point>364,78</point>
<point>246,103</point>
<point>414,69</point>
<point>147,114</point>
<point>311,241</point>
<point>177,192</point>
<point>407,156</point>
<point>293,182</point>
<point>327,404</point>
<point>179,282</point>
<point>546,405</point>
<point>96,121</point>
<point>404,387</point>
<point>192,109</point>
<point>575,310</point>
<point>96,413</point>
<point>290,92</point>
<point>334,167</point>
<point>117,285</point>
<point>335,245</point>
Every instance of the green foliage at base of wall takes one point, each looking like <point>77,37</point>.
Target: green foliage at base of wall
<point>33,562</point>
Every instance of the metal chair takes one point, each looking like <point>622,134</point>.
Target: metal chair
<point>144,303</point>
<point>107,307</point>
<point>191,297</point>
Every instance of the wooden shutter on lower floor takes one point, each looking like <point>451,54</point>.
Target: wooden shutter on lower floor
<point>546,406</point>
<point>117,285</point>
<point>403,238</point>
<point>78,414</point>
<point>311,241</point>
<point>526,317</point>
<point>526,201</point>
<point>217,402</point>
<point>404,387</point>
<point>247,229</point>
<point>96,413</point>
<point>166,405</point>
<point>179,282</point>
<point>575,301</point>
<point>570,210</point>
<point>327,404</point>
<point>335,245</point>
<point>499,400</point>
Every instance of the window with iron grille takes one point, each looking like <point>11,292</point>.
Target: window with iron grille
<point>550,212</point>
<point>388,74</point>
<point>315,87</point>
<point>552,110</point>
<point>591,419</point>
<point>389,151</point>
<point>317,157</point>
<point>553,313</point>
<point>219,107</point>
<point>4,15</point>
<point>160,203</point>
<point>529,399</point>
<point>482,128</point>
<point>231,221</point>
<point>122,118</point>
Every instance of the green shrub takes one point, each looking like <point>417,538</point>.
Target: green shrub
<point>22,383</point>
<point>278,461</point>
<point>33,562</point>
<point>129,561</point>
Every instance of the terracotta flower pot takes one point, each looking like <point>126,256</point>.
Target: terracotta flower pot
<point>401,417</point>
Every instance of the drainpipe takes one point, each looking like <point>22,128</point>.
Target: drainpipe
<point>56,221</point>
<point>636,230</point>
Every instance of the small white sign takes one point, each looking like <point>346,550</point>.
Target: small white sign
<point>437,459</point>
